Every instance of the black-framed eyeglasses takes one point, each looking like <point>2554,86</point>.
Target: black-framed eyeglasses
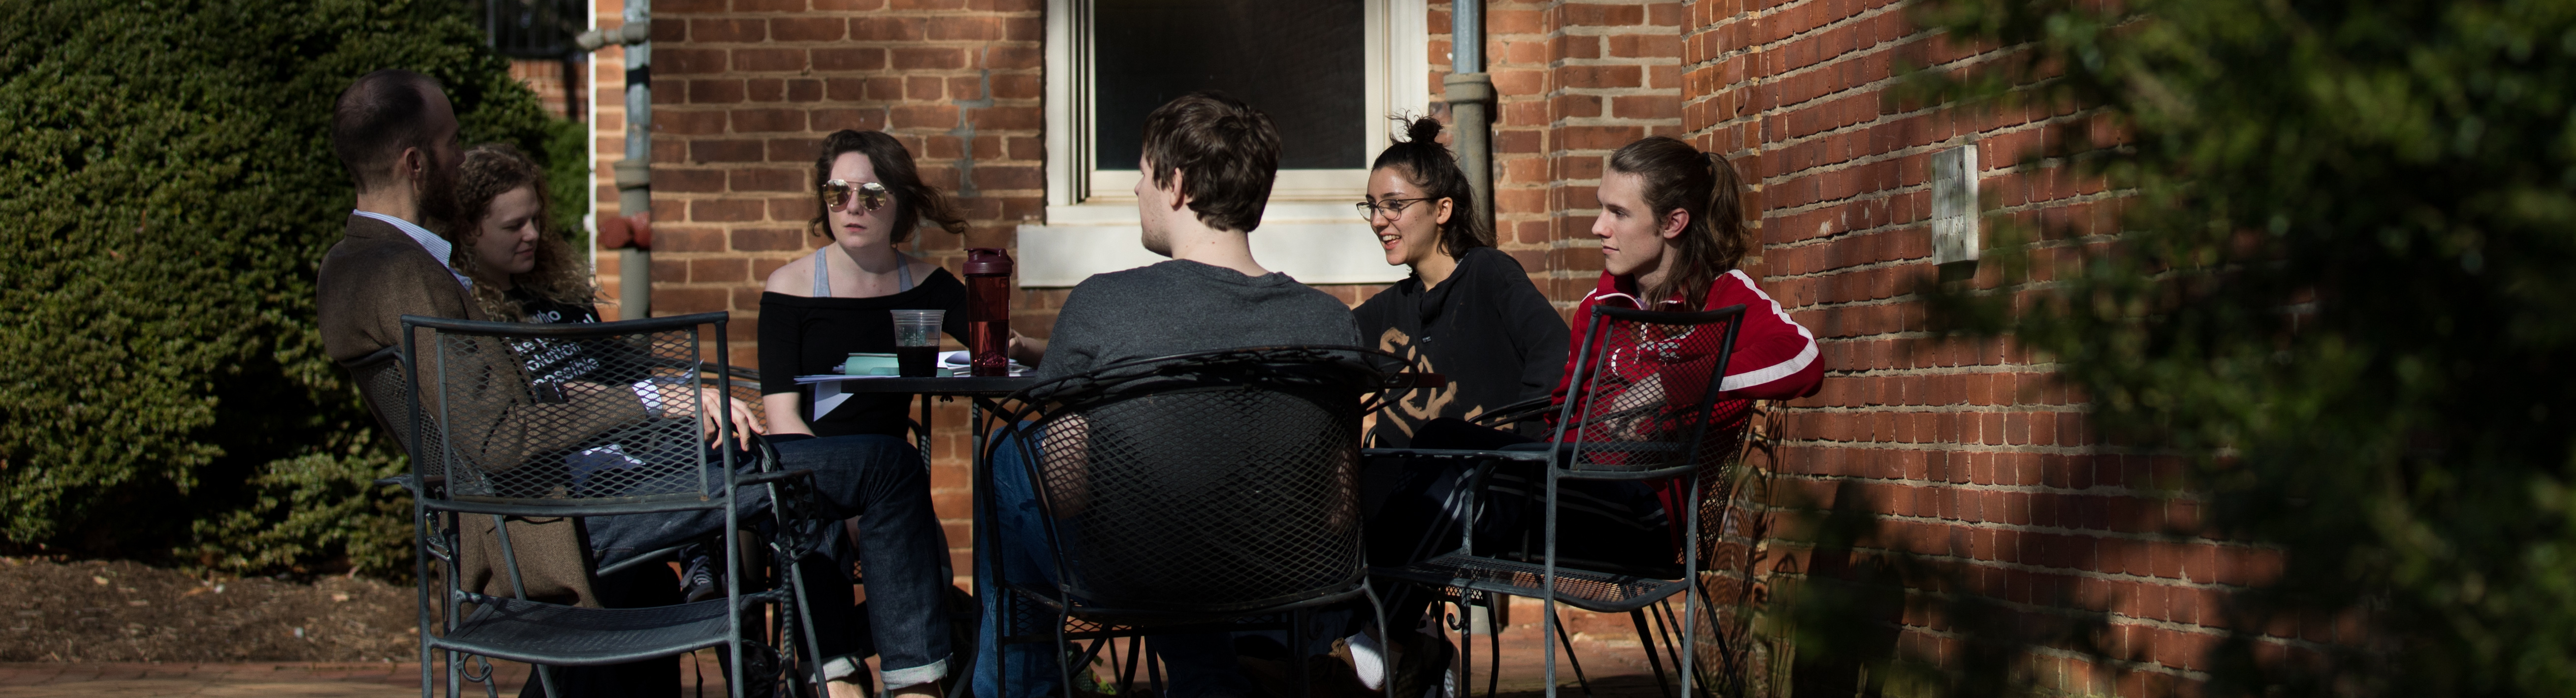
<point>1393,208</point>
<point>872,196</point>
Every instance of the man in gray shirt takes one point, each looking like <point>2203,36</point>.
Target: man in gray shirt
<point>1208,163</point>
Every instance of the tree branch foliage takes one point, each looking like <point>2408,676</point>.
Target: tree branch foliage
<point>2344,286</point>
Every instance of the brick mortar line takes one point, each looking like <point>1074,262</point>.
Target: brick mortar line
<point>1918,483</point>
<point>1606,92</point>
<point>2027,607</point>
<point>1998,369</point>
<point>2148,666</point>
<point>2031,367</point>
<point>1975,138</point>
<point>1855,128</point>
<point>1916,261</point>
<point>1945,408</point>
<point>2096,490</point>
<point>2042,205</point>
<point>2122,663</point>
<point>2149,580</point>
<point>1920,35</point>
<point>1807,34</point>
<point>1880,85</point>
<point>1938,447</point>
<point>1602,121</point>
<point>1612,29</point>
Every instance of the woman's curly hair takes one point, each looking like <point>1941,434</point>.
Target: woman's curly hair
<point>493,169</point>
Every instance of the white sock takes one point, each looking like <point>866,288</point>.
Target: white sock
<point>1367,660</point>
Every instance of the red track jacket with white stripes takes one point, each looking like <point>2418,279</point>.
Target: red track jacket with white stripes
<point>1775,357</point>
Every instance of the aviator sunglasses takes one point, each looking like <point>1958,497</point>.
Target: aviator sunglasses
<point>872,196</point>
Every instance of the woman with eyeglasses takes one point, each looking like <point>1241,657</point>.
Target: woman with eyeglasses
<point>816,311</point>
<point>1469,313</point>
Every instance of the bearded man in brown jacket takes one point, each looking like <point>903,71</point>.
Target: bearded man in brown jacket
<point>397,134</point>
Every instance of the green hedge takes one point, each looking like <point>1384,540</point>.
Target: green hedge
<point>167,190</point>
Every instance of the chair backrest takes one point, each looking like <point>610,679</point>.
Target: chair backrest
<point>1221,482</point>
<point>565,415</point>
<point>1646,389</point>
<point>388,395</point>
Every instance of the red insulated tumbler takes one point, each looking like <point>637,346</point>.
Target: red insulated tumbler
<point>988,310</point>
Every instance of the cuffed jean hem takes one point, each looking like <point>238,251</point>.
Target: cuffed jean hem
<point>913,676</point>
<point>842,667</point>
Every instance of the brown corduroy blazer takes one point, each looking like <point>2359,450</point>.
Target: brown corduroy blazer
<point>371,278</point>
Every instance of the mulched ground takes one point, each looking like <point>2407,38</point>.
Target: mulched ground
<point>93,628</point>
<point>97,611</point>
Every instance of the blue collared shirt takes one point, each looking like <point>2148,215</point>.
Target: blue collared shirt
<point>438,247</point>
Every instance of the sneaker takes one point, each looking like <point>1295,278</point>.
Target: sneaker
<point>698,578</point>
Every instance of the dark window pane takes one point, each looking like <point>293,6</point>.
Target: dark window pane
<point>1300,62</point>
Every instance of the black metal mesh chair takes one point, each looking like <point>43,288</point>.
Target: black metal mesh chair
<point>576,420</point>
<point>1646,407</point>
<point>1190,493</point>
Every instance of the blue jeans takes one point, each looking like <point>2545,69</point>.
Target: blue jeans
<point>1202,664</point>
<point>880,480</point>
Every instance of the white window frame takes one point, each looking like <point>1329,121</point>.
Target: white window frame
<point>1308,230</point>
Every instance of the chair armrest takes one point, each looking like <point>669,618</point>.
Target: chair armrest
<point>632,562</point>
<point>1516,412</point>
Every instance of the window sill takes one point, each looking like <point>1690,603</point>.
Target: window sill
<point>1314,242</point>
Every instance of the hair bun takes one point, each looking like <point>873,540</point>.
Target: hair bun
<point>1422,130</point>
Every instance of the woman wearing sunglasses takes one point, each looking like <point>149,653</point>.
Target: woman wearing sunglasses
<point>818,310</point>
<point>824,306</point>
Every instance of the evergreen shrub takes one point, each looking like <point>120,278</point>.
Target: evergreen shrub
<point>167,191</point>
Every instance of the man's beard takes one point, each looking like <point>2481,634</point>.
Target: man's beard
<point>439,210</point>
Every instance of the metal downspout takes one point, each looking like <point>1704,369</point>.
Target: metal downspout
<point>634,175</point>
<point>1470,93</point>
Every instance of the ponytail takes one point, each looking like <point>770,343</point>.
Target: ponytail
<point>1430,166</point>
<point>1704,185</point>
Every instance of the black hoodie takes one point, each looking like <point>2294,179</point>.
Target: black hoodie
<point>1486,328</point>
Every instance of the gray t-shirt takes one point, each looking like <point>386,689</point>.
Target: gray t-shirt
<point>1182,306</point>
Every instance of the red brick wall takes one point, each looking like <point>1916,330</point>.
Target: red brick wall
<point>743,92</point>
<point>546,78</point>
<point>1575,80</point>
<point>1971,451</point>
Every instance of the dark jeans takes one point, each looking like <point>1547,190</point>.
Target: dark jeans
<point>1415,508</point>
<point>1202,664</point>
<point>880,480</point>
